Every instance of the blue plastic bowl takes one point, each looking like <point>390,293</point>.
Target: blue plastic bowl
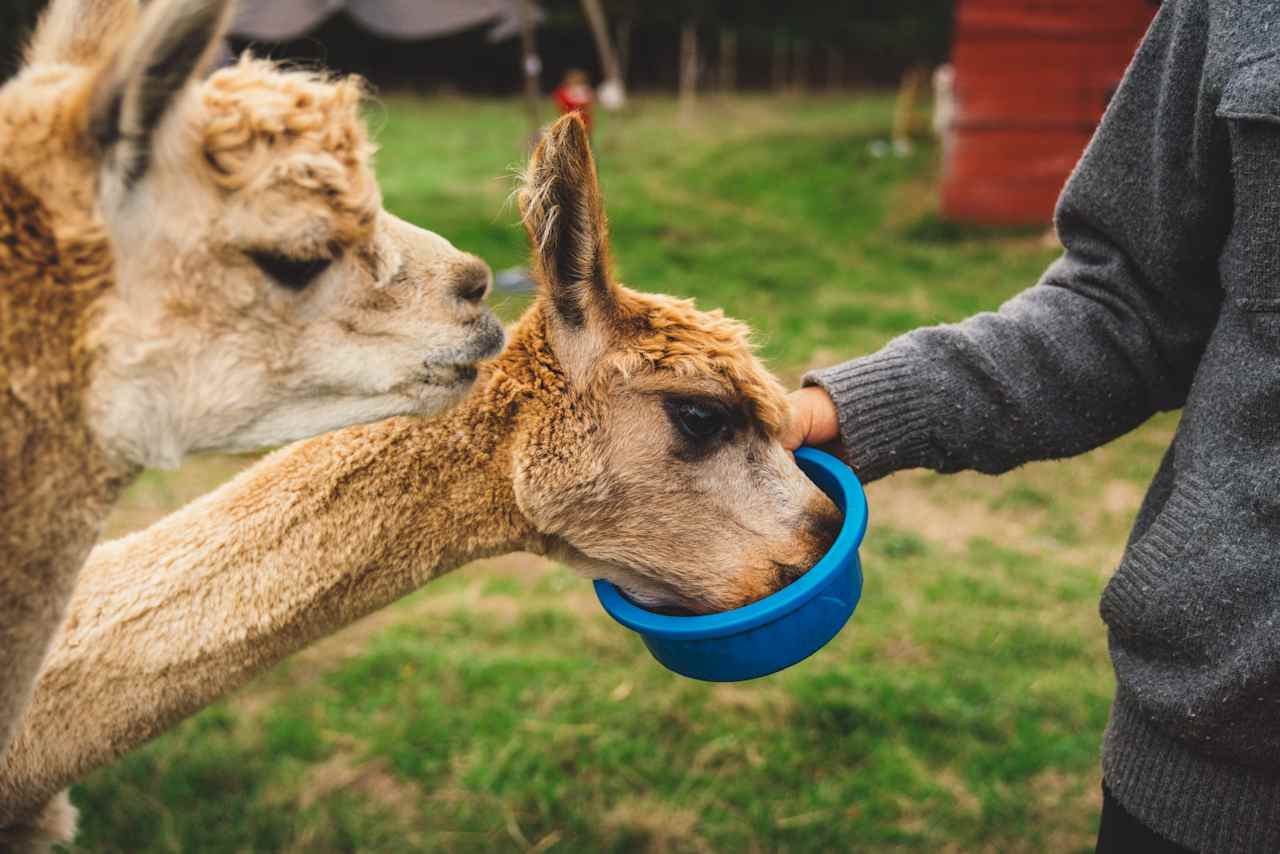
<point>779,630</point>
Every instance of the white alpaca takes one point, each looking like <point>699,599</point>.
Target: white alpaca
<point>187,265</point>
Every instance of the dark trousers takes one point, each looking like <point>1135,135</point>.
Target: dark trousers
<point>1121,833</point>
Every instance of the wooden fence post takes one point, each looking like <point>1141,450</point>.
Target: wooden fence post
<point>728,60</point>
<point>532,65</point>
<point>688,68</point>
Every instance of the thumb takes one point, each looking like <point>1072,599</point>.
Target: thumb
<point>813,419</point>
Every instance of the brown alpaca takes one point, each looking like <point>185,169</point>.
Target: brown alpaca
<point>189,265</point>
<point>628,434</point>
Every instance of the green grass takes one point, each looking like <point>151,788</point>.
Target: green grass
<point>499,709</point>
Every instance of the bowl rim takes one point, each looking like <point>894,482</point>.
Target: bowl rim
<point>843,488</point>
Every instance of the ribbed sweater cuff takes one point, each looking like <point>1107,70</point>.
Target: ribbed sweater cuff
<point>884,410</point>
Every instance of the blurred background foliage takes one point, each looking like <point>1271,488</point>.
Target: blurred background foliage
<point>871,41</point>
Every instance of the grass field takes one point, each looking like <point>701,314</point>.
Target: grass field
<point>499,709</point>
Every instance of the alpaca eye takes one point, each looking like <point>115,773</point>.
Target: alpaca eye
<point>292,273</point>
<point>700,421</point>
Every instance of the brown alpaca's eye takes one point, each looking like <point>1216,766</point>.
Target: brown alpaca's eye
<point>292,273</point>
<point>699,420</point>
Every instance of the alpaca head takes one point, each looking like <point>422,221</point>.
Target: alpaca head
<point>662,471</point>
<point>262,292</point>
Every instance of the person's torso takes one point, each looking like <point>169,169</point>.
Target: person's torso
<point>1194,608</point>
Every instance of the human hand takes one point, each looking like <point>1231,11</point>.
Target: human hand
<point>813,419</point>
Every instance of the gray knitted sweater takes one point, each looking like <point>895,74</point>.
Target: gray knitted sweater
<point>1167,296</point>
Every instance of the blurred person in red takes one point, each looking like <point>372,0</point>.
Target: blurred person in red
<point>575,95</point>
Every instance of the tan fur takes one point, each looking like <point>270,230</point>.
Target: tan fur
<point>81,32</point>
<point>302,129</point>
<point>56,482</point>
<point>39,834</point>
<point>317,535</point>
<point>135,325</point>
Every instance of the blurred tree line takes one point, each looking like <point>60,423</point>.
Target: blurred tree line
<point>762,44</point>
<point>752,44</point>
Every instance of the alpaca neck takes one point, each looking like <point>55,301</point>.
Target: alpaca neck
<point>57,483</point>
<point>55,271</point>
<point>304,543</point>
<point>52,277</point>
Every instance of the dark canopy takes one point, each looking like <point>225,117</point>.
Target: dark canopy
<point>407,20</point>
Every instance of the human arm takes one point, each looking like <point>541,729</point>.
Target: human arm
<point>1113,331</point>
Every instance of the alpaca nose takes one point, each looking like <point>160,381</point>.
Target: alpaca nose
<point>472,281</point>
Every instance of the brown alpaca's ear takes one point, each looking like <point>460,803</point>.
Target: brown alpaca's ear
<point>564,213</point>
<point>136,89</point>
<point>80,32</point>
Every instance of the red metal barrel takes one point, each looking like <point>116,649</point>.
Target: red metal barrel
<point>1032,78</point>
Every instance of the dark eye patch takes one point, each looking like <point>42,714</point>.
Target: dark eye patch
<point>701,423</point>
<point>292,273</point>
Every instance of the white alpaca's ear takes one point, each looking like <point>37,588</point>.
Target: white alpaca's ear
<point>135,91</point>
<point>564,213</point>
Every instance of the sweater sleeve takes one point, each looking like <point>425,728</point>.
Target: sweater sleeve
<point>1114,329</point>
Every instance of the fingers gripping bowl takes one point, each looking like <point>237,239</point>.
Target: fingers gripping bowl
<point>779,630</point>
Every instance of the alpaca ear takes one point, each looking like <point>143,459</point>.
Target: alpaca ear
<point>135,91</point>
<point>564,214</point>
<point>80,32</point>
